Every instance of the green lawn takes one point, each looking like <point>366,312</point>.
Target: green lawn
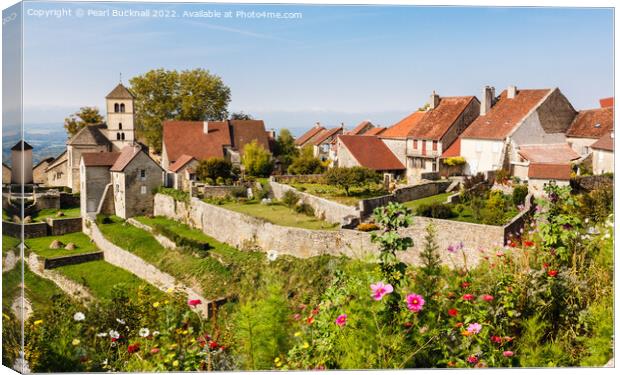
<point>41,245</point>
<point>206,272</point>
<point>279,214</point>
<point>100,277</point>
<point>338,195</point>
<point>51,212</point>
<point>9,243</point>
<point>39,291</point>
<point>439,198</point>
<point>180,228</point>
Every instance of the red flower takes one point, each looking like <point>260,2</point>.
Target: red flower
<point>465,285</point>
<point>453,312</point>
<point>513,244</point>
<point>194,302</point>
<point>310,320</point>
<point>528,243</point>
<point>468,297</point>
<point>315,311</point>
<point>213,345</point>
<point>408,324</point>
<point>552,273</point>
<point>154,350</point>
<point>487,298</point>
<point>496,339</point>
<point>133,348</point>
<point>459,325</point>
<point>472,359</point>
<point>545,265</point>
<point>451,364</point>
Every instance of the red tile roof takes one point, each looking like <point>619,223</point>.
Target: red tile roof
<point>126,156</point>
<point>606,143</point>
<point>504,116</point>
<point>607,102</point>
<point>453,150</point>
<point>188,137</point>
<point>402,128</point>
<point>559,153</point>
<point>246,131</point>
<point>309,135</point>
<point>549,171</point>
<point>436,122</point>
<point>180,162</point>
<point>371,152</point>
<point>325,134</point>
<point>100,159</point>
<point>375,131</point>
<point>359,129</point>
<point>592,123</point>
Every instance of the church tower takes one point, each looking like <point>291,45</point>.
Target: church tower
<point>120,119</point>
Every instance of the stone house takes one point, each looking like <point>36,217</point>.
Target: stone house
<point>56,171</point>
<point>395,136</point>
<point>182,172</point>
<point>322,143</point>
<point>6,174</point>
<point>369,152</point>
<point>515,118</point>
<point>310,136</point>
<point>209,139</point>
<point>603,154</point>
<point>589,126</point>
<point>119,183</point>
<point>361,128</point>
<point>541,174</point>
<point>436,131</point>
<point>536,161</point>
<point>39,174</point>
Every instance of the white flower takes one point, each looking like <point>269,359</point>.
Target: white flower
<point>121,321</point>
<point>78,316</point>
<point>272,255</point>
<point>606,235</point>
<point>114,334</point>
<point>143,332</point>
<point>155,333</point>
<point>102,334</point>
<point>586,220</point>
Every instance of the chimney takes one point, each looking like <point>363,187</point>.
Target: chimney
<point>272,134</point>
<point>342,125</point>
<point>488,96</point>
<point>434,100</point>
<point>317,125</point>
<point>511,92</point>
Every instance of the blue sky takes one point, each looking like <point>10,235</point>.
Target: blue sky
<point>336,64</point>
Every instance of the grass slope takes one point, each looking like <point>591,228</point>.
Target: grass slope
<point>279,214</point>
<point>51,212</point>
<point>337,194</point>
<point>39,291</point>
<point>439,198</point>
<point>41,245</point>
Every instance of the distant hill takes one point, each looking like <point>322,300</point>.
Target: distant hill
<point>47,140</point>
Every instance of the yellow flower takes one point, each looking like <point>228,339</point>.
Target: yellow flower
<point>277,360</point>
<point>193,340</point>
<point>166,302</point>
<point>297,334</point>
<point>173,346</point>
<point>37,322</point>
<point>156,304</point>
<point>278,364</point>
<point>75,342</point>
<point>175,363</point>
<point>185,332</point>
<point>306,345</point>
<point>170,290</point>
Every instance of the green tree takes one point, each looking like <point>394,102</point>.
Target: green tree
<point>194,95</point>
<point>285,150</point>
<point>213,168</point>
<point>306,163</point>
<point>241,116</point>
<point>84,117</point>
<point>430,272</point>
<point>347,178</point>
<point>256,160</point>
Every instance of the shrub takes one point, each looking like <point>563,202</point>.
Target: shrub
<point>290,198</point>
<point>209,181</point>
<point>213,168</point>
<point>459,208</point>
<point>104,219</point>
<point>178,195</point>
<point>220,181</point>
<point>518,194</point>
<point>597,204</point>
<point>453,161</point>
<point>263,193</point>
<point>367,227</point>
<point>502,176</point>
<point>306,163</point>
<point>435,210</point>
<point>347,178</point>
<point>238,192</point>
<point>180,240</point>
<point>256,160</point>
<point>304,208</point>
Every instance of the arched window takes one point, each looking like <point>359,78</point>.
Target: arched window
<point>120,126</point>
<point>118,136</point>
<point>116,107</point>
<point>122,107</point>
<point>122,136</point>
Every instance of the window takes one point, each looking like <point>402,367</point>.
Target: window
<point>118,136</point>
<point>434,166</point>
<point>122,107</point>
<point>142,174</point>
<point>122,136</point>
<point>116,188</point>
<point>585,150</point>
<point>415,143</point>
<point>423,147</point>
<point>142,189</point>
<point>120,126</point>
<point>116,108</point>
<point>434,145</point>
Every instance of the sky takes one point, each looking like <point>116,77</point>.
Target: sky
<point>334,64</point>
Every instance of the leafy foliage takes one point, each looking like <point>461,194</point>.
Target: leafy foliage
<point>519,194</point>
<point>305,163</point>
<point>285,150</point>
<point>256,160</point>
<point>453,161</point>
<point>84,117</point>
<point>346,178</point>
<point>213,168</point>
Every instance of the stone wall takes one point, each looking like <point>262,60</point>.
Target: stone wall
<point>300,179</point>
<point>69,200</point>
<point>49,263</point>
<point>164,241</point>
<point>246,232</point>
<point>47,200</point>
<point>59,227</point>
<point>31,230</point>
<point>208,191</point>
<point>326,209</point>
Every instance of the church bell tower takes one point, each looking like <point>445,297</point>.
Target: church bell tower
<point>120,117</point>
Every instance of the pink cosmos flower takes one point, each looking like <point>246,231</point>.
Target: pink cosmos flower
<point>474,328</point>
<point>472,359</point>
<point>468,297</point>
<point>341,320</point>
<point>415,302</point>
<point>194,302</point>
<point>379,290</point>
<point>488,298</point>
<point>508,353</point>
